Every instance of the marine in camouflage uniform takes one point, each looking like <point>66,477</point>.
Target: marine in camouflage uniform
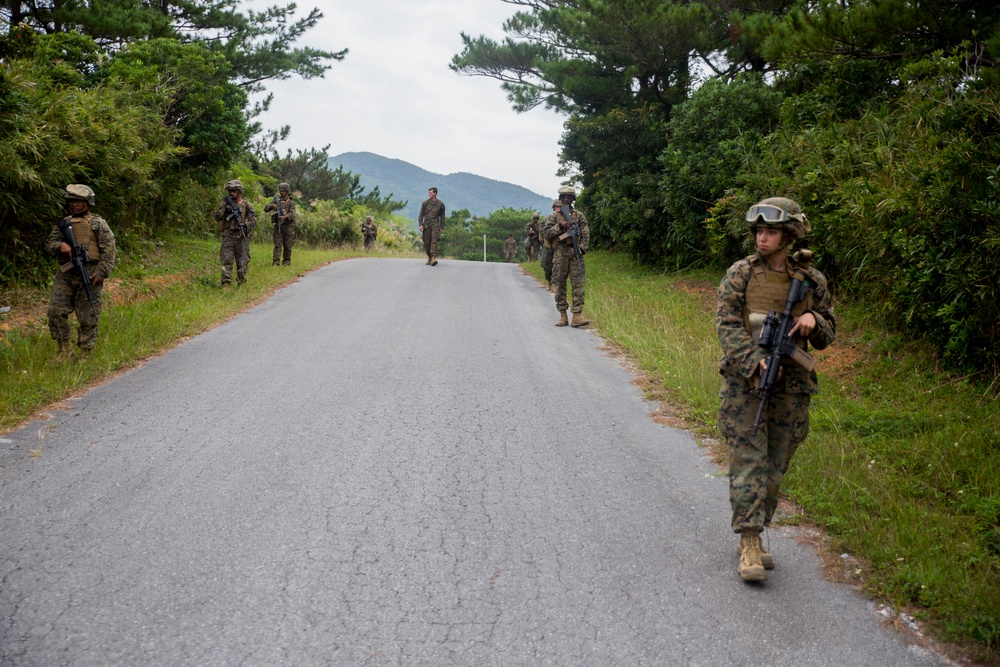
<point>509,249</point>
<point>750,289</point>
<point>547,249</point>
<point>370,232</point>
<point>235,246</point>
<point>532,238</point>
<point>284,225</point>
<point>564,261</point>
<point>431,222</point>
<point>68,291</point>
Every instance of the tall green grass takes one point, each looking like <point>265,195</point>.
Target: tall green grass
<point>902,465</point>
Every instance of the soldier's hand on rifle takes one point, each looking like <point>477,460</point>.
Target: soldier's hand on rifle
<point>762,368</point>
<point>804,326</point>
<point>96,279</point>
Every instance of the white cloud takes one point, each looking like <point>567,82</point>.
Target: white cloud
<point>394,94</point>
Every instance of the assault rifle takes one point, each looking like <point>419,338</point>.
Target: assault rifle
<point>281,213</point>
<point>774,338</point>
<point>573,232</point>
<point>236,214</point>
<point>79,258</point>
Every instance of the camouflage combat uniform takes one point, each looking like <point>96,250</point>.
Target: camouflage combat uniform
<point>531,233</point>
<point>284,230</point>
<point>68,292</point>
<point>370,232</point>
<point>564,262</point>
<point>758,463</point>
<point>431,218</point>
<point>235,247</point>
<point>509,249</point>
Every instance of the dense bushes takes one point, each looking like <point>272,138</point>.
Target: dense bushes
<point>52,134</point>
<point>903,204</point>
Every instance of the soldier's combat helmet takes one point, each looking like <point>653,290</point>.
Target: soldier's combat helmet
<point>781,213</point>
<point>556,203</point>
<point>79,192</point>
<point>282,187</point>
<point>567,190</point>
<point>235,184</point>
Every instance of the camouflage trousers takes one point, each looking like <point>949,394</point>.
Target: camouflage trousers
<point>545,258</point>
<point>431,235</point>
<point>758,463</point>
<point>234,248</point>
<point>369,243</point>
<point>284,238</point>
<point>68,295</point>
<point>565,264</point>
<point>532,249</point>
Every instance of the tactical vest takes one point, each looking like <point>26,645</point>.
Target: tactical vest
<point>767,290</point>
<point>83,232</point>
<point>233,226</point>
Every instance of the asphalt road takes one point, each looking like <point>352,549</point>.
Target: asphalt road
<point>393,464</point>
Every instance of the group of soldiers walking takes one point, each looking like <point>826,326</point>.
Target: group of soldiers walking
<point>763,423</point>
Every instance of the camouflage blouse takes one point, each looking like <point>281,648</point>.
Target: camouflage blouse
<point>741,356</point>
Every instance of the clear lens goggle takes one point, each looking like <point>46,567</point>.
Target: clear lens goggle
<point>769,214</point>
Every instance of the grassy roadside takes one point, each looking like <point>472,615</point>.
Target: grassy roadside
<point>154,299</point>
<point>902,465</point>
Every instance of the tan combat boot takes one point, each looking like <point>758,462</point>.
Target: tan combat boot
<point>579,320</point>
<point>428,262</point>
<point>563,319</point>
<point>64,354</point>
<point>434,260</point>
<point>750,567</point>
<point>765,558</point>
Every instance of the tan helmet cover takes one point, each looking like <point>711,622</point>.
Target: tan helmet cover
<point>234,184</point>
<point>797,222</point>
<point>283,187</point>
<point>80,192</point>
<point>567,190</point>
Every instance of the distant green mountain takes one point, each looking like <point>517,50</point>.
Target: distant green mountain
<point>409,183</point>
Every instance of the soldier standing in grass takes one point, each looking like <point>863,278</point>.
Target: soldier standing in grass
<point>431,222</point>
<point>509,248</point>
<point>283,217</point>
<point>235,239</point>
<point>531,233</point>
<point>750,289</point>
<point>68,291</point>
<point>564,262</point>
<point>370,232</point>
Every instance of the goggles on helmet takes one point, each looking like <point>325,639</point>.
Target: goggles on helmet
<point>769,214</point>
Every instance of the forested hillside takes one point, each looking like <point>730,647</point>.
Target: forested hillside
<point>880,118</point>
<point>403,181</point>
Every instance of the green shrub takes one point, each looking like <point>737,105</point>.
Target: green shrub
<point>903,204</point>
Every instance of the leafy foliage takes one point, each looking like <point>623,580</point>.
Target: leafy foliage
<point>52,135</point>
<point>902,209</point>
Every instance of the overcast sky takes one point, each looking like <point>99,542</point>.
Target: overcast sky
<point>395,96</point>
